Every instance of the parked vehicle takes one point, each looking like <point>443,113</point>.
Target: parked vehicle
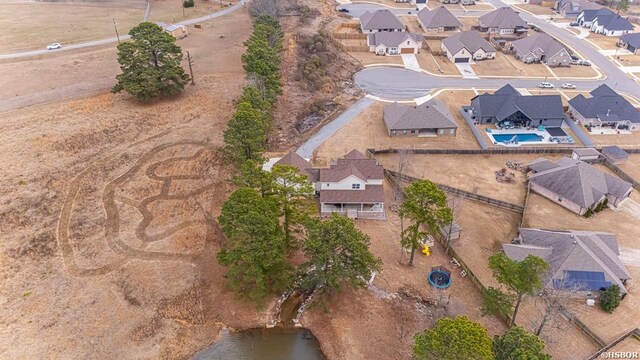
<point>575,23</point>
<point>585,63</point>
<point>343,10</point>
<point>574,57</point>
<point>533,27</point>
<point>54,46</point>
<point>568,86</point>
<point>545,85</point>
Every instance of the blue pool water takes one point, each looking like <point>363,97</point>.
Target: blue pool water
<point>521,137</point>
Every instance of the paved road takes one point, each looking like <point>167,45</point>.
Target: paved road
<point>114,39</point>
<point>307,149</point>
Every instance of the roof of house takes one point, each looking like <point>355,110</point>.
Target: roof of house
<point>608,19</point>
<point>370,194</point>
<point>354,163</point>
<point>586,152</point>
<point>631,39</point>
<point>542,41</point>
<point>440,17</point>
<point>603,103</point>
<point>295,160</point>
<point>571,251</point>
<point>380,19</point>
<point>615,152</point>
<point>432,114</point>
<point>393,38</point>
<point>470,40</point>
<point>579,182</point>
<point>502,18</point>
<point>507,100</point>
<point>568,5</point>
<point>541,164</point>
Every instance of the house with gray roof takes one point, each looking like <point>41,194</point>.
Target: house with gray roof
<point>615,154</point>
<point>630,42</point>
<point>573,8</point>
<point>580,261</point>
<point>541,48</point>
<point>585,154</point>
<point>576,185</point>
<point>605,108</point>
<point>604,21</point>
<point>431,118</point>
<point>352,186</point>
<point>394,43</point>
<point>507,106</point>
<point>438,20</point>
<point>503,21</point>
<point>467,46</point>
<point>380,20</point>
<point>297,161</point>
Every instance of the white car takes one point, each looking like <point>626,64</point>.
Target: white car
<point>54,46</point>
<point>568,86</point>
<point>545,85</point>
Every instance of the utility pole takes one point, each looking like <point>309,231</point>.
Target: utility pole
<point>115,26</point>
<point>190,68</point>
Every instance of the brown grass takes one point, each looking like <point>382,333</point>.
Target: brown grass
<point>625,140</point>
<point>171,11</point>
<point>412,24</point>
<point>390,3</point>
<point>536,9</point>
<point>629,60</point>
<point>368,58</point>
<point>507,65</point>
<point>604,42</point>
<point>575,71</point>
<point>436,64</point>
<point>436,4</point>
<point>632,166</point>
<point>480,6</point>
<point>468,21</point>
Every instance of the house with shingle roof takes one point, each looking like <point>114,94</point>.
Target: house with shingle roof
<point>503,21</point>
<point>576,185</point>
<point>573,8</point>
<point>604,21</point>
<point>541,48</point>
<point>297,161</point>
<point>438,20</point>
<point>394,43</point>
<point>352,186</point>
<point>605,108</point>
<point>380,20</point>
<point>615,154</point>
<point>582,261</point>
<point>467,46</point>
<point>508,106</point>
<point>431,118</point>
<point>630,42</point>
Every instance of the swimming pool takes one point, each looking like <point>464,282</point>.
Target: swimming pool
<point>521,137</point>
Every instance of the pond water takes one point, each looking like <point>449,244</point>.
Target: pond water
<point>264,344</point>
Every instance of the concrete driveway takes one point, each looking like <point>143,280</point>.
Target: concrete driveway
<point>466,71</point>
<point>411,62</point>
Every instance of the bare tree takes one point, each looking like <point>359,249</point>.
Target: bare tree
<point>554,302</point>
<point>266,7</point>
<point>455,204</point>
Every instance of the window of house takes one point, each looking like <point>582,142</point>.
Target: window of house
<point>441,131</point>
<point>355,186</point>
<point>452,131</point>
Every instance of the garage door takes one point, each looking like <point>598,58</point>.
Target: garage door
<point>462,60</point>
<point>406,51</point>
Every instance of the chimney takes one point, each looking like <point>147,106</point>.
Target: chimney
<point>608,111</point>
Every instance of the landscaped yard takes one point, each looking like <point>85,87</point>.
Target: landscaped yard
<point>436,64</point>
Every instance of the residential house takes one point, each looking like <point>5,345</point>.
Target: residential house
<point>438,20</point>
<point>177,31</point>
<point>467,46</point>
<point>576,185</point>
<point>630,42</point>
<point>503,21</point>
<point>431,118</point>
<point>295,160</point>
<point>353,187</point>
<point>615,154</point>
<point>585,154</point>
<point>394,43</point>
<point>579,261</point>
<point>604,21</point>
<point>380,20</point>
<point>605,108</point>
<point>573,8</point>
<point>541,48</point>
<point>507,106</point>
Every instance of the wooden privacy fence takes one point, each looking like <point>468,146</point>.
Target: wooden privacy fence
<point>623,175</point>
<point>349,36</point>
<point>531,150</point>
<point>473,196</point>
<point>631,333</point>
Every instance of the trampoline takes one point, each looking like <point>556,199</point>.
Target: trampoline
<point>440,277</point>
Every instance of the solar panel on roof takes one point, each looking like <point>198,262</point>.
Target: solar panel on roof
<point>582,280</point>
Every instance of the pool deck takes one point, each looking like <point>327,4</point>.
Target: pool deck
<point>546,139</point>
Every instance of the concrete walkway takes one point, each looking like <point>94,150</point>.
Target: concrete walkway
<point>307,149</point>
<point>411,62</point>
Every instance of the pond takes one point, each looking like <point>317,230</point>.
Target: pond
<point>264,344</point>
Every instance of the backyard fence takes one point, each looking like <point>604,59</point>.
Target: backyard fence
<point>521,150</point>
<point>631,333</point>
<point>623,175</point>
<point>349,36</point>
<point>343,47</point>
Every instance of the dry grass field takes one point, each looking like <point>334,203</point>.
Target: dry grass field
<point>368,58</point>
<point>603,42</point>
<point>480,6</point>
<point>624,140</point>
<point>575,71</point>
<point>411,22</point>
<point>171,11</point>
<point>507,65</point>
<point>468,22</point>
<point>436,64</point>
<point>629,60</point>
<point>536,9</point>
<point>632,166</point>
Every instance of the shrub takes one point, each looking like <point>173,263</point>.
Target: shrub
<point>605,203</point>
<point>610,298</point>
<point>598,208</point>
<point>588,213</point>
<point>188,3</point>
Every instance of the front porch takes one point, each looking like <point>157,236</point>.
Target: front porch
<point>373,211</point>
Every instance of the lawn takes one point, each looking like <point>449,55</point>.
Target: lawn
<point>480,6</point>
<point>603,42</point>
<point>412,24</point>
<point>171,10</point>
<point>468,22</point>
<point>436,64</point>
<point>536,9</point>
<point>624,140</point>
<point>368,58</point>
<point>436,4</point>
<point>629,60</point>
<point>28,26</point>
<point>507,65</point>
<point>390,3</point>
<point>575,71</point>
